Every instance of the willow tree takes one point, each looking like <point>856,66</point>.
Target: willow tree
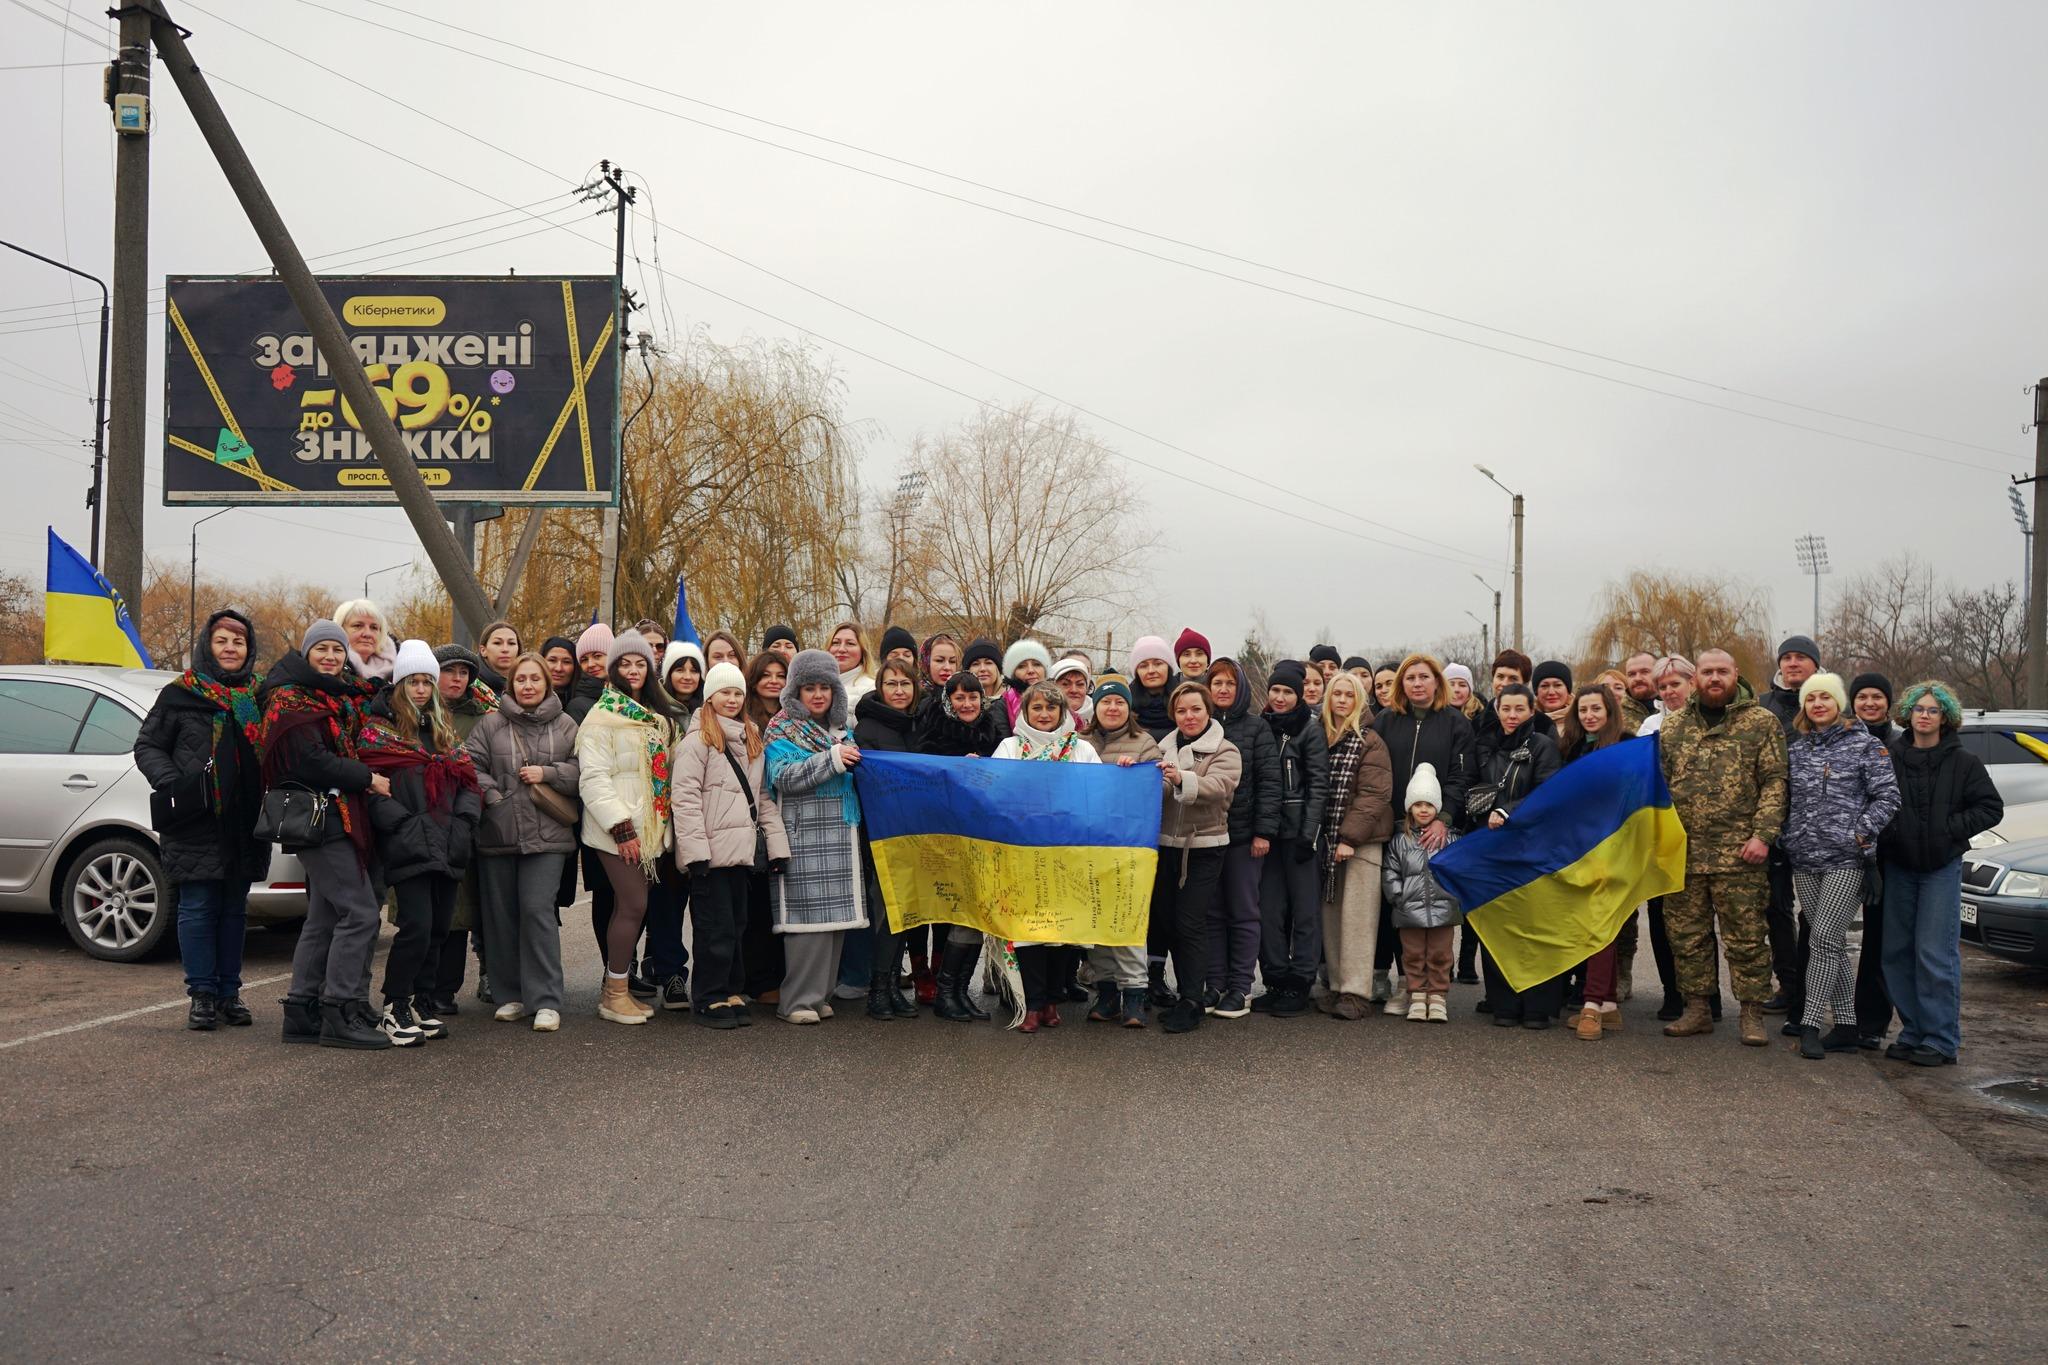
<point>1671,613</point>
<point>1027,526</point>
<point>738,478</point>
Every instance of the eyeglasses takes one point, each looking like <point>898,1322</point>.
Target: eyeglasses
<point>1926,710</point>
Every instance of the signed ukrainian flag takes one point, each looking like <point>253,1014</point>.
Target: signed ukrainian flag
<point>1029,852</point>
<point>1555,884</point>
<point>84,621</point>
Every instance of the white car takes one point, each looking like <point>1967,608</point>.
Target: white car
<point>75,838</point>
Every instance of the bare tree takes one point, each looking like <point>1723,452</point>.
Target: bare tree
<point>21,620</point>
<point>1896,620</point>
<point>1026,527</point>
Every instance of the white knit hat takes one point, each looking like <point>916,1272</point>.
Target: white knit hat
<point>415,656</point>
<point>1017,653</point>
<point>1066,666</point>
<point>1454,672</point>
<point>1423,786</point>
<point>722,676</point>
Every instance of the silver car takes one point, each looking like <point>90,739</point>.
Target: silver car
<point>74,812</point>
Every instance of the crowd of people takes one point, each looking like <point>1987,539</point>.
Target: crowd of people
<point>462,793</point>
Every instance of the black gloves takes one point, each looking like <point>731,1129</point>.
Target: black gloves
<point>700,868</point>
<point>777,866</point>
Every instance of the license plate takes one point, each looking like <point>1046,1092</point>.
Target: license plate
<point>1969,912</point>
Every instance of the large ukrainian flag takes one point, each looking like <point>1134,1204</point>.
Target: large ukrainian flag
<point>1029,852</point>
<point>84,621</point>
<point>1555,884</point>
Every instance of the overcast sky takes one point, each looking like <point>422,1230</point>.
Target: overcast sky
<point>1835,205</point>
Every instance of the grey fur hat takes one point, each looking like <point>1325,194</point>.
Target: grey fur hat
<point>814,666</point>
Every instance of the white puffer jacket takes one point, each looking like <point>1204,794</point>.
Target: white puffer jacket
<point>713,823</point>
<point>615,782</point>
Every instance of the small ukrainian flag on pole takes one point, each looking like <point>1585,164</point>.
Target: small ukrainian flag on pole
<point>1554,885</point>
<point>84,619</point>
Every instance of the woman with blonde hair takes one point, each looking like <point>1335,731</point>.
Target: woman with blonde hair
<point>1419,726</point>
<point>850,651</point>
<point>1358,818</point>
<point>726,827</point>
<point>371,652</point>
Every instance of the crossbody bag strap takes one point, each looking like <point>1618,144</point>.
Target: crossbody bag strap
<point>745,786</point>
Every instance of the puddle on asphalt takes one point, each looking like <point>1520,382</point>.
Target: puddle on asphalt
<point>2028,1095</point>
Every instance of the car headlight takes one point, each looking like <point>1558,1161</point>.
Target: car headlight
<point>2030,884</point>
<point>1989,838</point>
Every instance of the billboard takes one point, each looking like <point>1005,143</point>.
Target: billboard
<point>504,388</point>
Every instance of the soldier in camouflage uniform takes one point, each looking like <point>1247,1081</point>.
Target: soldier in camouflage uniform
<point>1724,758</point>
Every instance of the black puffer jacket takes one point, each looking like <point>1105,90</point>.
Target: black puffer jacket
<point>1304,771</point>
<point>1441,738</point>
<point>1255,805</point>
<point>414,840</point>
<point>1945,798</point>
<point>1518,764</point>
<point>880,726</point>
<point>584,691</point>
<point>175,751</point>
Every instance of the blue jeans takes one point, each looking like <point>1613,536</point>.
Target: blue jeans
<point>1923,954</point>
<point>212,916</point>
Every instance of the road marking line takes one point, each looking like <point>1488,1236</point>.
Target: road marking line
<point>130,1014</point>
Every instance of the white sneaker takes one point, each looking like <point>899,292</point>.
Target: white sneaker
<point>1397,1003</point>
<point>546,1021</point>
<point>842,991</point>
<point>1418,1008</point>
<point>801,1016</point>
<point>1439,1010</point>
<point>401,1035</point>
<point>824,1010</point>
<point>511,1012</point>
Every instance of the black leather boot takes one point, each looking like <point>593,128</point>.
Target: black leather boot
<point>955,963</point>
<point>234,1012</point>
<point>351,1024</point>
<point>301,1018</point>
<point>202,1014</point>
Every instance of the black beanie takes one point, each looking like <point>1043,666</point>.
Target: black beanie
<point>1876,680</point>
<point>982,649</point>
<point>1357,661</point>
<point>895,638</point>
<point>774,633</point>
<point>1322,652</point>
<point>1551,668</point>
<point>1288,673</point>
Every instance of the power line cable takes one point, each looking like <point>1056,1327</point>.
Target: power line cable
<point>1528,338</point>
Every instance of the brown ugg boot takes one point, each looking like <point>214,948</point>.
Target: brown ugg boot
<point>1697,1019</point>
<point>617,1004</point>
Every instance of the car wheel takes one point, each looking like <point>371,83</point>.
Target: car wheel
<point>115,903</point>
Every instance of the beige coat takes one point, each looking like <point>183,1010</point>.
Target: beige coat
<point>616,785</point>
<point>712,821</point>
<point>1132,740</point>
<point>1196,814</point>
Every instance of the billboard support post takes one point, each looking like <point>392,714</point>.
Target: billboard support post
<point>457,575</point>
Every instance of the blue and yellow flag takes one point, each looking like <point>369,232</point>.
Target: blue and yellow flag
<point>1029,852</point>
<point>1554,885</point>
<point>84,619</point>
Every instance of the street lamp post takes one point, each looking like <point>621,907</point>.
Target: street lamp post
<point>1485,650</point>
<point>1496,604</point>
<point>388,568</point>
<point>99,425</point>
<point>909,497</point>
<point>1518,546</point>
<point>1813,559</point>
<point>192,589</point>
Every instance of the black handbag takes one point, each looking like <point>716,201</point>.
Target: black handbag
<point>293,817</point>
<point>760,839</point>
<point>181,807</point>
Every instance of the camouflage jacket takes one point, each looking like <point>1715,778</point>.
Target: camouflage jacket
<point>1727,780</point>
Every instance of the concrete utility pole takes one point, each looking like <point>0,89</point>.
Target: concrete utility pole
<point>2037,589</point>
<point>128,384</point>
<point>1496,609</point>
<point>608,554</point>
<point>1518,546</point>
<point>457,575</point>
<point>1813,559</point>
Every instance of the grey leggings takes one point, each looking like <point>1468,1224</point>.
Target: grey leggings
<point>522,937</point>
<point>1829,899</point>
<point>332,960</point>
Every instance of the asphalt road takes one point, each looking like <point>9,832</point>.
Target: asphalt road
<point>1301,1189</point>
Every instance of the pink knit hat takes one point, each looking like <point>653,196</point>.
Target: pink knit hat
<point>596,640</point>
<point>1149,647</point>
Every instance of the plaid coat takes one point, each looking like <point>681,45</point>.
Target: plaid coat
<point>821,891</point>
